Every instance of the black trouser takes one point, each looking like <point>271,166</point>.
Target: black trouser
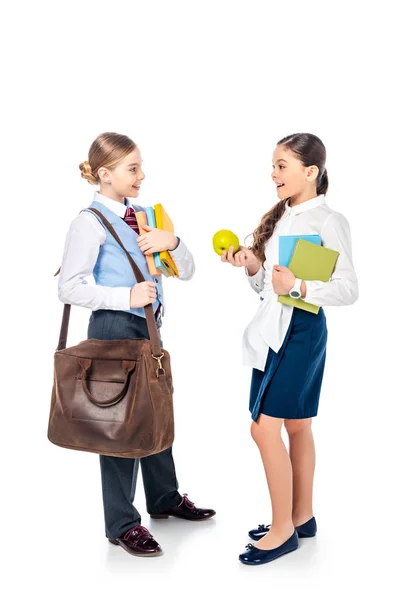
<point>119,475</point>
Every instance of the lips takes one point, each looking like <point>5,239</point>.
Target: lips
<point>279,185</point>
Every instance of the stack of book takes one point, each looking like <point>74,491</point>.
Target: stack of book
<point>308,260</point>
<point>159,262</point>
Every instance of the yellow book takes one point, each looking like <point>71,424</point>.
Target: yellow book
<point>164,222</point>
<point>142,220</point>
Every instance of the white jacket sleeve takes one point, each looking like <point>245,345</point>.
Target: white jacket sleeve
<point>256,281</point>
<point>183,260</point>
<point>82,245</point>
<point>342,288</point>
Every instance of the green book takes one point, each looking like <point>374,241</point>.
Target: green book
<point>310,261</point>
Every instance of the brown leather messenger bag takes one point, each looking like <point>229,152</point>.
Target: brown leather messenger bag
<point>112,397</point>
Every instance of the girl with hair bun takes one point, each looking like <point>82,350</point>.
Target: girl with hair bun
<point>116,301</point>
<point>86,172</point>
<point>285,345</point>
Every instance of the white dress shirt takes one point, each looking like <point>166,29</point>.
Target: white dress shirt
<point>269,326</point>
<point>82,245</point>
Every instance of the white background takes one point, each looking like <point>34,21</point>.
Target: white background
<point>206,89</point>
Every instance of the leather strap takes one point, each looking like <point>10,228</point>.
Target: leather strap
<point>151,321</point>
<point>62,340</point>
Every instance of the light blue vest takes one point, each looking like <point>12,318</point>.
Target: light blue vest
<point>112,268</point>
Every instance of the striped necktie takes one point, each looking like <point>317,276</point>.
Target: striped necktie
<point>130,219</point>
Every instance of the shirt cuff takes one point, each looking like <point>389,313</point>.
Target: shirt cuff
<point>120,298</point>
<point>310,285</point>
<point>257,280</point>
<point>180,251</point>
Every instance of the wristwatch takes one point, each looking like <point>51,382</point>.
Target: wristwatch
<point>295,292</point>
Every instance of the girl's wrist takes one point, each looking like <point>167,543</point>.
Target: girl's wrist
<point>303,289</point>
<point>253,269</point>
<point>174,243</point>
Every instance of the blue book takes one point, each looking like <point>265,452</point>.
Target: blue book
<point>151,220</point>
<point>288,242</point>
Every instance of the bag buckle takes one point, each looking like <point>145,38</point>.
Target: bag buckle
<point>160,367</point>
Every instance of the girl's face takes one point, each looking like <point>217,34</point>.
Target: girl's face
<point>125,179</point>
<point>292,179</point>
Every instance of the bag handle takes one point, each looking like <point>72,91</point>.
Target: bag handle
<point>127,365</point>
<point>148,309</point>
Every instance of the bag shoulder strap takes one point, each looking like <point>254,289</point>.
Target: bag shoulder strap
<point>151,322</point>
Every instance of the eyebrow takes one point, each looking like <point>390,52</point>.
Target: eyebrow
<point>133,165</point>
<point>280,160</point>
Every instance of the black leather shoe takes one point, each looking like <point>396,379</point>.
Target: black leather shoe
<point>185,510</point>
<point>256,556</point>
<point>306,530</point>
<point>138,541</point>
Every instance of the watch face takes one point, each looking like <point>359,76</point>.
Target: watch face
<point>295,294</point>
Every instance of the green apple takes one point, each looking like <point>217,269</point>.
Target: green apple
<point>223,239</point>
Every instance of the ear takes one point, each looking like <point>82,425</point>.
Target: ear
<point>312,173</point>
<point>104,175</point>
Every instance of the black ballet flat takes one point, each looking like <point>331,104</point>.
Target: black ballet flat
<point>256,556</point>
<point>307,530</point>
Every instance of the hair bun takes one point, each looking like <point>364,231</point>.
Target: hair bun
<point>86,172</point>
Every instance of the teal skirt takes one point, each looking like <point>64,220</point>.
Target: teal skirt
<point>290,385</point>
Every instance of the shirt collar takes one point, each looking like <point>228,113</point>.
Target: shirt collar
<point>307,205</point>
<point>117,207</point>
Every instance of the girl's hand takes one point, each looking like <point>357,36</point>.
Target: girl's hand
<point>156,240</point>
<point>142,294</point>
<point>242,258</point>
<point>282,280</point>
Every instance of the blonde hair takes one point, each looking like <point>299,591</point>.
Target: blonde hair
<point>107,150</point>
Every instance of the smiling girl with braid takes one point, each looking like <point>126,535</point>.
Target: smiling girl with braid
<point>285,345</point>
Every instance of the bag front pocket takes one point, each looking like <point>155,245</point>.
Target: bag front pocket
<point>103,389</point>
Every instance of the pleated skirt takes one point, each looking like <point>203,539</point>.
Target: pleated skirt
<point>290,385</point>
